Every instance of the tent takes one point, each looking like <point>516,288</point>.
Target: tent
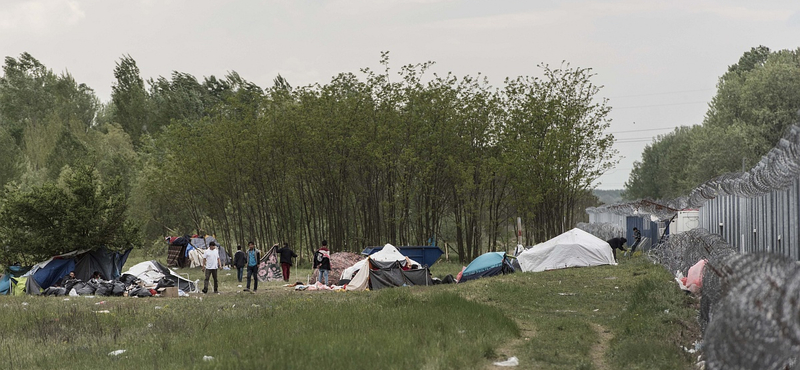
<point>384,269</point>
<point>339,262</point>
<point>177,253</point>
<point>84,263</point>
<point>202,243</point>
<point>12,281</point>
<point>574,248</point>
<point>268,267</point>
<point>487,264</point>
<point>150,272</point>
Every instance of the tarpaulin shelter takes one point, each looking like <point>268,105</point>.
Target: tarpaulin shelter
<point>177,253</point>
<point>387,268</point>
<point>487,264</point>
<point>12,281</point>
<point>84,263</point>
<point>574,248</point>
<point>151,272</point>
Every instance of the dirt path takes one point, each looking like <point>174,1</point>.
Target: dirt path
<point>509,348</point>
<point>598,352</point>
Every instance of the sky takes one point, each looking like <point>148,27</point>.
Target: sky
<point>658,61</point>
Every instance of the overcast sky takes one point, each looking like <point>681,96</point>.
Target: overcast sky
<point>659,61</point>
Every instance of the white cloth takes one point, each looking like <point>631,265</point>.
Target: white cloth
<point>212,258</point>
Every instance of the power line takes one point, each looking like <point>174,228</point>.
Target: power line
<point>643,130</point>
<point>661,93</point>
<point>662,105</point>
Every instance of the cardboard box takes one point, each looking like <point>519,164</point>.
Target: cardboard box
<point>170,292</point>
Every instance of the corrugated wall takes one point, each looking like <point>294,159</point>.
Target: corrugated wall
<point>764,223</point>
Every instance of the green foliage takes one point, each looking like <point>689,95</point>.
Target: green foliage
<point>78,212</point>
<point>756,100</point>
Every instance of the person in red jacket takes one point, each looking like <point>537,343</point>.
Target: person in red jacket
<point>286,260</point>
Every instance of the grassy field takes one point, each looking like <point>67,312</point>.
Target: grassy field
<point>629,316</point>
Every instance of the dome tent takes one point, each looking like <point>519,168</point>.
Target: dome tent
<point>574,248</point>
<point>487,264</point>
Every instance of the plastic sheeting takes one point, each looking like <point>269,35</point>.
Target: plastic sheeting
<point>574,248</point>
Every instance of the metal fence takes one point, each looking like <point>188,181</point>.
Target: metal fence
<point>750,303</point>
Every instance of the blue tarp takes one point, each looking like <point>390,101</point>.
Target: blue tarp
<point>53,272</point>
<point>427,255</point>
<point>11,273</point>
<point>487,264</point>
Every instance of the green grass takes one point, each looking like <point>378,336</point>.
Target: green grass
<point>550,320</point>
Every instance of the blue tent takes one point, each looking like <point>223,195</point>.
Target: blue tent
<point>84,263</point>
<point>12,272</point>
<point>487,264</point>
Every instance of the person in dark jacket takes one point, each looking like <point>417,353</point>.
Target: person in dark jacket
<point>637,239</point>
<point>253,256</point>
<point>322,260</point>
<point>617,243</point>
<point>286,260</point>
<point>239,260</point>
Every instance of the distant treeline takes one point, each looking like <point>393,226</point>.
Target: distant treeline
<point>402,158</point>
<point>756,100</point>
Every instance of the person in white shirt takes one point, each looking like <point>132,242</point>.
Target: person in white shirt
<point>211,263</point>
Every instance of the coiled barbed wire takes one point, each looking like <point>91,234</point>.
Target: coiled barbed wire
<point>602,230</point>
<point>750,303</point>
<point>775,171</point>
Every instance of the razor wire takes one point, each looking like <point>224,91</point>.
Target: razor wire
<point>750,303</point>
<point>603,230</point>
<point>775,171</point>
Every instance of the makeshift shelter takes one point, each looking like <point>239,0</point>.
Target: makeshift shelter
<point>152,272</point>
<point>84,263</point>
<point>339,262</point>
<point>268,268</point>
<point>13,282</point>
<point>202,243</point>
<point>386,268</point>
<point>487,264</point>
<point>177,252</point>
<point>574,248</point>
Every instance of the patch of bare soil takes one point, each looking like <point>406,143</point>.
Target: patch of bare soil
<point>598,352</point>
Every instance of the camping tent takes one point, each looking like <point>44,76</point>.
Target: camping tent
<point>12,281</point>
<point>487,264</point>
<point>150,272</point>
<point>574,248</point>
<point>84,263</point>
<point>386,268</point>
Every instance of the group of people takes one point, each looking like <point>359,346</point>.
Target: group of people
<point>619,243</point>
<point>245,259</point>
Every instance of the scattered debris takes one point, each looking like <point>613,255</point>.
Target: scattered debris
<point>117,352</point>
<point>512,361</point>
<point>208,358</point>
<point>102,311</point>
<point>101,302</point>
<point>157,307</point>
<point>566,293</point>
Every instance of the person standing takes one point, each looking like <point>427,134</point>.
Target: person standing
<point>637,238</point>
<point>239,260</point>
<point>322,260</point>
<point>253,256</point>
<point>211,263</point>
<point>286,260</point>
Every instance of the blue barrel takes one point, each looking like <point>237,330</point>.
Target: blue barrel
<point>424,254</point>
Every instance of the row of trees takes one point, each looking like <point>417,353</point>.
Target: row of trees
<point>756,100</point>
<point>402,158</point>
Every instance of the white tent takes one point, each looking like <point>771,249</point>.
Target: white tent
<point>359,272</point>
<point>150,272</point>
<point>574,248</point>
